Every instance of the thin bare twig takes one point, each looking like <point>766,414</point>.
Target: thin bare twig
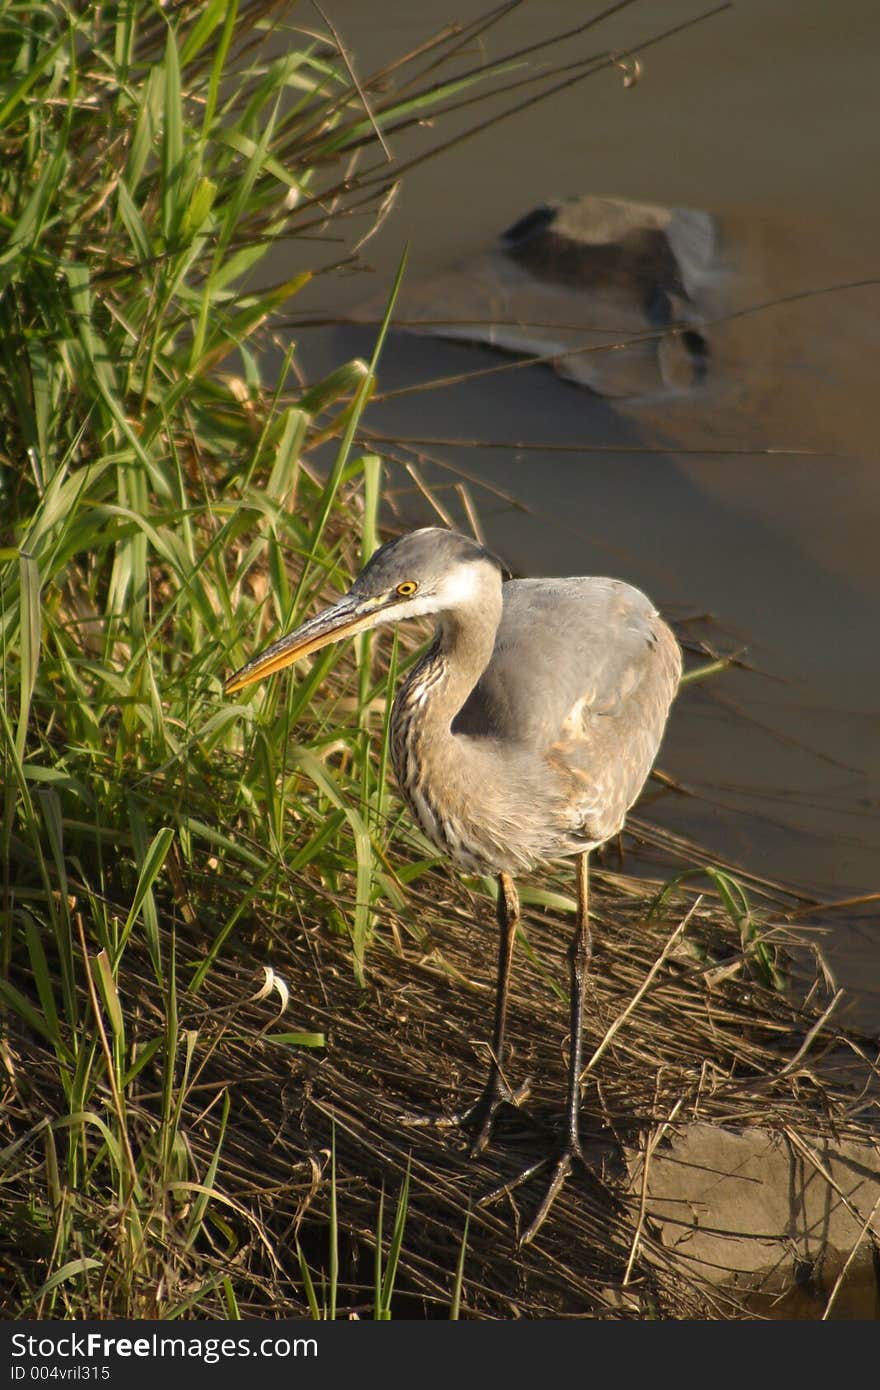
<point>650,1146</point>
<point>812,1034</point>
<point>838,1283</point>
<point>349,63</point>
<point>643,988</point>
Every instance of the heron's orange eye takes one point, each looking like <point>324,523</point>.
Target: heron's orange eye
<point>408,587</point>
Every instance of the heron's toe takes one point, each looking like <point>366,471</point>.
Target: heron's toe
<point>479,1119</point>
<point>570,1155</point>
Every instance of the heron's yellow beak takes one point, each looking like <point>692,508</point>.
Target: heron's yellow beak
<point>344,619</point>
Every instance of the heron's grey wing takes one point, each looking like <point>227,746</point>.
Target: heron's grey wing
<point>583,672</point>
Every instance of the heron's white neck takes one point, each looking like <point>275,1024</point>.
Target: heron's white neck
<point>441,773</point>
<point>466,628</point>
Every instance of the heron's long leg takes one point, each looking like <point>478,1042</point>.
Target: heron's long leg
<point>496,1091</point>
<point>579,955</point>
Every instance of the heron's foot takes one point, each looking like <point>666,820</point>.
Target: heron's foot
<point>479,1118</point>
<point>569,1157</point>
<point>572,1154</point>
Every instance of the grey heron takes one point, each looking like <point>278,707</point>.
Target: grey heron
<point>524,735</point>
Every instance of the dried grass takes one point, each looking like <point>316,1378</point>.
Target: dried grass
<point>405,1052</point>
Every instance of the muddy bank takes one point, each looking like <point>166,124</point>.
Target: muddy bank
<point>787,1222</point>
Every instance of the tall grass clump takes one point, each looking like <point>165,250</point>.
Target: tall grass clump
<point>159,515</point>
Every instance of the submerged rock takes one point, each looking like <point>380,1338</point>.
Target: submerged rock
<point>728,335</point>
<point>612,293</point>
<point>772,1219</point>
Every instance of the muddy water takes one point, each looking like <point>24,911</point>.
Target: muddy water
<point>768,116</point>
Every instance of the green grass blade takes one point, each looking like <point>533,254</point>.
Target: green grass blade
<point>396,1246</point>
<point>172,142</point>
<point>458,1284</point>
<point>150,868</point>
<point>31,626</point>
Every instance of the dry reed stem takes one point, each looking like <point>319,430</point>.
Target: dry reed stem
<point>650,1146</point>
<point>838,1283</point>
<point>798,1142</point>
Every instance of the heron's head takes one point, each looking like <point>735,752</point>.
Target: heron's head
<point>427,571</point>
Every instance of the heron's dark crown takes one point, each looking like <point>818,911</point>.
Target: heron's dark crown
<point>427,556</point>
